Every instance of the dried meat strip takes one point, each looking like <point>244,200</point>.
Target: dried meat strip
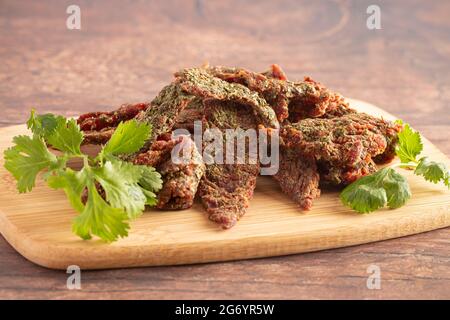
<point>336,105</point>
<point>161,113</point>
<point>202,84</point>
<point>306,99</point>
<point>159,151</point>
<point>194,111</point>
<point>95,121</point>
<point>298,177</point>
<point>346,147</point>
<point>162,116</point>
<point>226,189</point>
<point>275,72</point>
<point>181,180</point>
<point>98,137</point>
<point>164,110</point>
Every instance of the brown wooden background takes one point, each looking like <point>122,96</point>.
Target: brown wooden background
<point>127,50</point>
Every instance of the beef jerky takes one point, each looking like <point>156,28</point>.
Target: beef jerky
<point>203,84</point>
<point>161,113</point>
<point>96,121</point>
<point>226,189</point>
<point>158,153</point>
<point>275,72</point>
<point>181,179</point>
<point>345,147</point>
<point>187,117</point>
<point>298,177</point>
<point>162,116</point>
<point>336,105</point>
<point>164,110</point>
<point>304,99</point>
<point>98,137</point>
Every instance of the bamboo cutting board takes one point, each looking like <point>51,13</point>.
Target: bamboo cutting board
<point>38,224</point>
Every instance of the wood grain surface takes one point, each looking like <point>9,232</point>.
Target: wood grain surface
<point>125,52</point>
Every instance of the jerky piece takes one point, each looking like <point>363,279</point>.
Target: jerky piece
<point>159,151</point>
<point>98,127</point>
<point>226,189</point>
<point>275,72</point>
<point>273,90</point>
<point>164,110</point>
<point>161,113</point>
<point>193,112</point>
<point>298,178</point>
<point>345,147</point>
<point>305,99</point>
<point>162,116</point>
<point>181,179</point>
<point>97,121</point>
<point>98,137</point>
<point>336,106</point>
<point>201,83</point>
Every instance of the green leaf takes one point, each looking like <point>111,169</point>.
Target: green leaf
<point>385,187</point>
<point>150,179</point>
<point>120,181</point>
<point>432,171</point>
<point>151,198</point>
<point>66,137</point>
<point>26,159</point>
<point>129,137</point>
<point>43,125</point>
<point>409,144</point>
<point>396,187</point>
<point>100,219</point>
<point>364,195</point>
<point>73,183</point>
<point>447,180</point>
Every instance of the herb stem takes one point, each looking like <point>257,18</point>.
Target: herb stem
<point>411,164</point>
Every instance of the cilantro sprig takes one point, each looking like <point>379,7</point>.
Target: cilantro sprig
<point>387,187</point>
<point>127,188</point>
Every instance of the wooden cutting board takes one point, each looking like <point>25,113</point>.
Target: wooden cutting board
<point>38,224</point>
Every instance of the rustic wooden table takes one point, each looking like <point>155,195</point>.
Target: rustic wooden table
<point>127,50</point>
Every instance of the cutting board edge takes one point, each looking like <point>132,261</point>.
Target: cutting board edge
<point>58,257</point>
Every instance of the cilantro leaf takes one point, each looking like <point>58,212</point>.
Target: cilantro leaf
<point>150,179</point>
<point>129,137</point>
<point>150,198</point>
<point>409,144</point>
<point>396,187</point>
<point>66,137</point>
<point>432,171</point>
<point>128,188</point>
<point>100,219</point>
<point>364,195</point>
<point>26,159</point>
<point>369,193</point>
<point>73,183</point>
<point>43,125</point>
<point>151,182</point>
<point>120,181</point>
